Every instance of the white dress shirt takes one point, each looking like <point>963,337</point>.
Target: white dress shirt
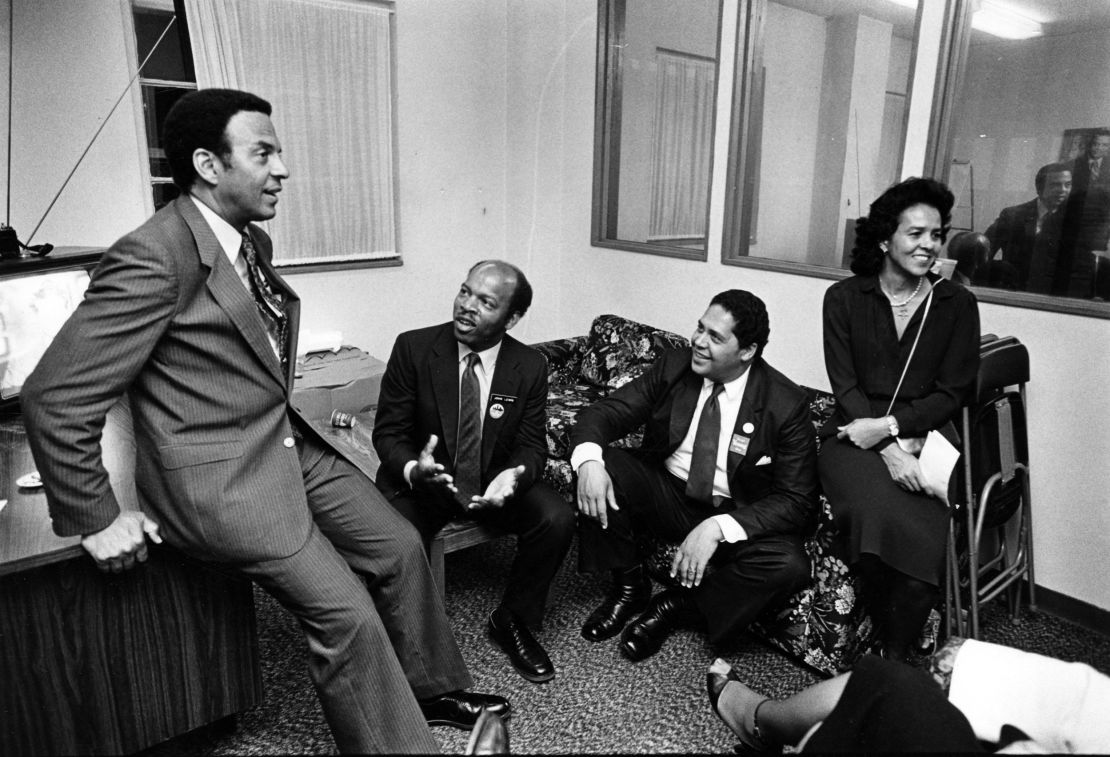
<point>678,463</point>
<point>484,371</point>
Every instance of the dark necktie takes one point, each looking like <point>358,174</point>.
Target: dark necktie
<point>269,302</point>
<point>703,461</point>
<point>468,455</point>
<point>1095,169</point>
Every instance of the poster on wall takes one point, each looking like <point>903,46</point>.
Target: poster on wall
<point>1076,141</point>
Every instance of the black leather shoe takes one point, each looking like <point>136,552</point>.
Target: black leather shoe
<point>461,709</point>
<point>525,653</point>
<point>669,610</point>
<point>627,597</point>
<point>490,736</point>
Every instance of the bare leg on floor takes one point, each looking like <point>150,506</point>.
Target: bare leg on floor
<point>783,721</point>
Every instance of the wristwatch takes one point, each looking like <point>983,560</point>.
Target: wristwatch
<point>892,424</point>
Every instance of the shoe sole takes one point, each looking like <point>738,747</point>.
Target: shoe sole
<point>465,726</point>
<point>523,674</point>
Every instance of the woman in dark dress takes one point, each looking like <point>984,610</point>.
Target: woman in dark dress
<point>894,531</point>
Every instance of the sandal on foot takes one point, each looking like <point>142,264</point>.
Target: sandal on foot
<point>715,684</point>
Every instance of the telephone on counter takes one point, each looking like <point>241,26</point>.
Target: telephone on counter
<point>10,245</point>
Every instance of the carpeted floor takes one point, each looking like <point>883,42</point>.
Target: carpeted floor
<point>598,702</point>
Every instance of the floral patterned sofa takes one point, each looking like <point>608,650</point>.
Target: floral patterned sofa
<point>822,625</point>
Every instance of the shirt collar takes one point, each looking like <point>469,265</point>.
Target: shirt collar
<point>1043,210</point>
<point>229,238</point>
<point>487,356</point>
<point>734,389</point>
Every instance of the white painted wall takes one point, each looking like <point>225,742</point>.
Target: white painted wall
<point>496,114</point>
<point>69,67</point>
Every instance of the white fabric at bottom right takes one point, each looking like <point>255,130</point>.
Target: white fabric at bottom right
<point>1062,706</point>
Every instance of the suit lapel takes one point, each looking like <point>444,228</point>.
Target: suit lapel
<point>682,409</point>
<point>227,289</point>
<point>505,381</point>
<point>751,412</point>
<point>444,366</point>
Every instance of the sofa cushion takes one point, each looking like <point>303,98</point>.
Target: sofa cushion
<point>564,402</point>
<point>618,350</point>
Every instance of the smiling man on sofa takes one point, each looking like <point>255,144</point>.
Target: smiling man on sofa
<point>727,467</point>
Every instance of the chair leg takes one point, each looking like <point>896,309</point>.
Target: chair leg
<point>1027,522</point>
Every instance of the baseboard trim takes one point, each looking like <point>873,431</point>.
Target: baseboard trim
<point>1075,610</point>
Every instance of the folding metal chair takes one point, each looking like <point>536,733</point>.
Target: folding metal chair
<point>990,542</point>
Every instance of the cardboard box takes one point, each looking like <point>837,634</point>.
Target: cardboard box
<point>347,380</point>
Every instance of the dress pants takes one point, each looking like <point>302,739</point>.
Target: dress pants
<point>542,521</point>
<point>742,578</point>
<point>362,592</point>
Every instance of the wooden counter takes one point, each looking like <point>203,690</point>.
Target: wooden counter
<point>95,662</point>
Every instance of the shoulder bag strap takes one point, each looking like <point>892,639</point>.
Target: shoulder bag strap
<point>906,367</point>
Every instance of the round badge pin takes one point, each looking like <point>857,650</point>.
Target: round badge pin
<point>496,410</point>
<point>748,428</point>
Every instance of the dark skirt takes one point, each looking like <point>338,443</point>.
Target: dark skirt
<point>891,707</point>
<point>907,531</point>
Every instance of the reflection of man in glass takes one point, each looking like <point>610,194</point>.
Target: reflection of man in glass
<point>1034,240</point>
<point>1089,208</point>
<point>1092,169</point>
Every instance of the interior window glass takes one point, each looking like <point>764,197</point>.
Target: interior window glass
<point>828,119</point>
<point>659,79</point>
<point>1029,154</point>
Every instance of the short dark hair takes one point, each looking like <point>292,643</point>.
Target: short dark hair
<point>752,324</point>
<point>1102,131</point>
<point>522,292</point>
<point>1042,175</point>
<point>881,221</point>
<point>198,121</point>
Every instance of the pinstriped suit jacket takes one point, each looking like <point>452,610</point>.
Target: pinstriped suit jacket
<point>167,319</point>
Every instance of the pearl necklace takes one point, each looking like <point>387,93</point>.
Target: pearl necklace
<point>900,308</point>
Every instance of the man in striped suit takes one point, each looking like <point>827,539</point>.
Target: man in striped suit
<point>187,316</point>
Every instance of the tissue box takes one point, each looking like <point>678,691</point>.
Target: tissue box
<point>347,380</point>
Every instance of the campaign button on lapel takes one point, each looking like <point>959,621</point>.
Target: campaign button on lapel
<point>739,444</point>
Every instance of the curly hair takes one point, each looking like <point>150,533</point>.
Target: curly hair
<point>199,120</point>
<point>749,312</point>
<point>881,222</point>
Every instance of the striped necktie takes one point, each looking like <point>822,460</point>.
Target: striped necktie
<point>707,437</point>
<point>468,454</point>
<point>269,303</point>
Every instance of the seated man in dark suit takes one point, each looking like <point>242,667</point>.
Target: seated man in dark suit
<point>1045,243</point>
<point>728,466</point>
<point>460,431</point>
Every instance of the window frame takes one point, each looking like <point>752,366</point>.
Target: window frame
<point>608,104</point>
<point>951,73</point>
<point>740,201</point>
<point>744,155</point>
<point>127,8</point>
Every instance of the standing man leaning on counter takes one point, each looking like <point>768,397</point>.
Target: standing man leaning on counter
<point>461,432</point>
<point>187,316</point>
